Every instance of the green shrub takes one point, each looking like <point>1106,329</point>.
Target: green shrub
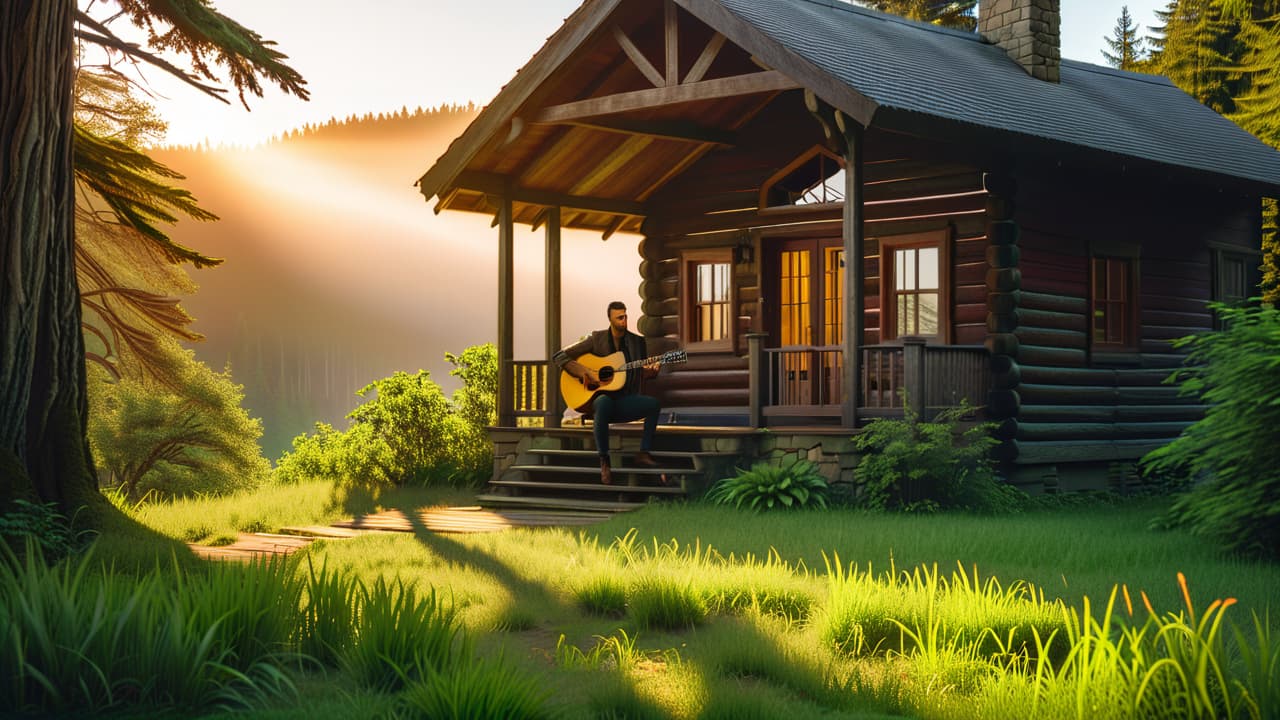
<point>1232,453</point>
<point>794,483</point>
<point>481,690</point>
<point>180,438</point>
<point>407,432</point>
<point>912,465</point>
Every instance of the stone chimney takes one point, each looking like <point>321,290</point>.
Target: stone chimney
<point>1028,30</point>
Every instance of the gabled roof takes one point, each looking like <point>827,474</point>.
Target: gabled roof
<point>922,68</point>
<point>878,69</point>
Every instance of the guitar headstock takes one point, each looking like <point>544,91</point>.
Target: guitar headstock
<point>671,357</point>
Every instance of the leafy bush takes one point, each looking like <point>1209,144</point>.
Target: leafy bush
<point>1232,453</point>
<point>184,437</point>
<point>912,465</point>
<point>407,432</point>
<point>794,483</point>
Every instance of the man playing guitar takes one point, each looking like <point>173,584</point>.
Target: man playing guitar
<point>620,405</point>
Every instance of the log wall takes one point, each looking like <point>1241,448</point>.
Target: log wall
<point>1064,402</point>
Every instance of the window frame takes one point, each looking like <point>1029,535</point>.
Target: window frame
<point>689,260</point>
<point>940,239</point>
<point>766,188</point>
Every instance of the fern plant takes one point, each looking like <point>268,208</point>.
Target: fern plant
<point>794,483</point>
<point>909,464</point>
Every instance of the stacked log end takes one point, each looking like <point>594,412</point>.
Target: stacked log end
<point>1004,287</point>
<point>659,289</point>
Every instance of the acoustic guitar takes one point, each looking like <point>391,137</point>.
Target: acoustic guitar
<point>612,371</point>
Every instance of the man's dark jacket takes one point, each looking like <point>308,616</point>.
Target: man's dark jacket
<point>600,343</point>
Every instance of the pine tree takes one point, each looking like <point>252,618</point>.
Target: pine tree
<point>947,13</point>
<point>1126,46</point>
<point>1193,49</point>
<point>44,449</point>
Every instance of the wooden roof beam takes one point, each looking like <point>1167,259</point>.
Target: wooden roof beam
<point>638,59</point>
<point>659,97</point>
<point>681,130</point>
<point>492,184</point>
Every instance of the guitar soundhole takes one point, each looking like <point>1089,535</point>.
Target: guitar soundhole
<point>606,375</point>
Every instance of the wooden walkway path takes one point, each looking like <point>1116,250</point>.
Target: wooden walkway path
<point>472,519</point>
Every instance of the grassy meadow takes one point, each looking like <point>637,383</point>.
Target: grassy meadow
<point>682,611</point>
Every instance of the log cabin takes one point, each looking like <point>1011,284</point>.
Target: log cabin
<point>835,205</point>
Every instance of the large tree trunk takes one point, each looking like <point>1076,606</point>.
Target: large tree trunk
<point>44,452</point>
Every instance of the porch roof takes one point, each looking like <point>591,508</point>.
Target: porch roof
<point>604,163</point>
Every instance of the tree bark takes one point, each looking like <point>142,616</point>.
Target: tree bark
<point>44,451</point>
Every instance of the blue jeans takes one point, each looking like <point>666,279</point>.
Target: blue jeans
<point>612,407</point>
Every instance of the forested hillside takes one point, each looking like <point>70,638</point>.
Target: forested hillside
<point>338,273</point>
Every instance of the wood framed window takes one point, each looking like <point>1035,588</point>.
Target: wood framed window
<point>915,286</point>
<point>707,276</point>
<point>1113,307</point>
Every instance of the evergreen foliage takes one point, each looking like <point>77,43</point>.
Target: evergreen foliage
<point>1231,454</point>
<point>193,437</point>
<point>1193,48</point>
<point>912,465</point>
<point>947,13</point>
<point>407,432</point>
<point>1226,53</point>
<point>1126,45</point>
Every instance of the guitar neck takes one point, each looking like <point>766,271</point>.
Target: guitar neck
<point>641,363</point>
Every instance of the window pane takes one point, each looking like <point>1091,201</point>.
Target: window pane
<point>722,282</point>
<point>928,268</point>
<point>906,312</point>
<point>1100,279</point>
<point>1117,271</point>
<point>928,306</point>
<point>906,260</point>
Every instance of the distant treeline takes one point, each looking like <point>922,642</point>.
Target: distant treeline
<point>353,125</point>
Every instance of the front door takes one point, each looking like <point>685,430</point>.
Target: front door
<point>807,278</point>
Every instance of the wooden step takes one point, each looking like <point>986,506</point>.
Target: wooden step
<point>614,487</point>
<point>687,454</point>
<point>595,470</point>
<point>559,503</point>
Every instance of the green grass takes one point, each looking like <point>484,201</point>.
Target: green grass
<point>217,520</point>
<point>692,611</point>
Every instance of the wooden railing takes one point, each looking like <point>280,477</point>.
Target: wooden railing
<point>529,388</point>
<point>934,377</point>
<point>807,381</point>
<point>804,380</point>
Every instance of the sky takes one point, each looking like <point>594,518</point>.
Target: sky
<point>382,55</point>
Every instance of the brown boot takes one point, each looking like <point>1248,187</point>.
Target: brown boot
<point>644,459</point>
<point>606,474</point>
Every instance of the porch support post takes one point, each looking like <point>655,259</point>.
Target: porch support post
<point>506,311</point>
<point>854,280</point>
<point>757,383</point>
<point>555,404</point>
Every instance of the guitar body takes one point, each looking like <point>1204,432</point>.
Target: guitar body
<point>579,395</point>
